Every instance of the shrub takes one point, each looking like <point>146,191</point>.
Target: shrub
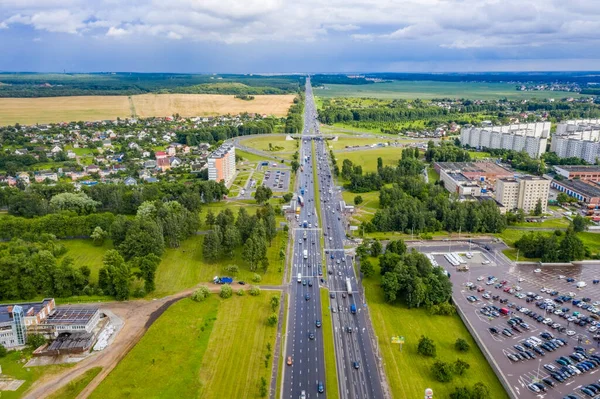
<point>272,320</point>
<point>241,292</point>
<point>201,294</point>
<point>34,341</point>
<point>226,291</point>
<point>460,366</point>
<point>254,291</point>
<point>232,269</point>
<point>256,278</point>
<point>426,347</point>
<point>461,345</point>
<point>442,371</point>
<point>3,351</point>
<point>139,292</point>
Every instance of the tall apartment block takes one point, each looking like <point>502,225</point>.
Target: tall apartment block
<point>578,138</point>
<point>221,164</point>
<point>523,192</point>
<point>531,137</point>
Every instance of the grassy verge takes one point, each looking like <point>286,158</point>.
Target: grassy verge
<point>12,366</point>
<point>410,373</point>
<point>73,388</point>
<point>281,363</point>
<point>368,158</point>
<point>433,175</point>
<point>331,380</point>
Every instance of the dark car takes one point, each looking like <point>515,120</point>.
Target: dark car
<point>356,365</point>
<point>241,282</point>
<point>311,335</point>
<point>320,387</point>
<point>318,323</point>
<point>307,297</point>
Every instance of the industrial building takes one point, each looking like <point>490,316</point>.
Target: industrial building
<point>581,172</point>
<point>588,192</point>
<point>577,138</point>
<point>481,171</point>
<point>529,137</point>
<point>221,164</point>
<point>18,320</point>
<point>523,192</point>
<point>460,184</point>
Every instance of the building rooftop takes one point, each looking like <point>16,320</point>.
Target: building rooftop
<point>588,190</point>
<point>71,315</point>
<point>475,167</point>
<point>459,177</point>
<point>29,309</point>
<point>579,168</point>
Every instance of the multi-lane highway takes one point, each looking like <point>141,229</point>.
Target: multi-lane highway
<point>358,376</point>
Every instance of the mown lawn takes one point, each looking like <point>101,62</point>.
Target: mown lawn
<point>73,388</point>
<point>331,379</point>
<point>212,349</point>
<point>368,158</point>
<point>237,349</point>
<point>350,141</point>
<point>278,142</point>
<point>165,363</point>
<point>12,366</point>
<point>408,372</point>
<point>85,253</point>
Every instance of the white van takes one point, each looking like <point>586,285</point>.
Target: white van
<point>299,277</point>
<point>581,284</point>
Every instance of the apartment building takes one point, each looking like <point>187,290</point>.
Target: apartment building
<point>578,138</point>
<point>529,137</point>
<point>523,192</point>
<point>221,164</point>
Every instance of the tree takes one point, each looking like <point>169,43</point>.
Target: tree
<point>254,291</point>
<point>274,302</point>
<point>210,218</point>
<point>376,248</point>
<point>79,203</point>
<point>99,236</point>
<point>460,366</point>
<point>480,391</point>
<point>3,351</point>
<point>462,345</point>
<point>272,320</point>
<point>226,291</point>
<point>34,341</point>
<point>201,294</point>
<point>232,269</point>
<point>256,278</point>
<point>295,165</point>
<point>426,347</point>
<point>562,198</point>
<point>571,247</point>
<point>396,246</point>
<point>148,265</point>
<point>211,247</point>
<point>579,223</point>
<point>461,393</point>
<point>231,240</point>
<point>538,210</point>
<point>262,194</point>
<point>263,387</point>
<point>442,371</point>
<point>144,236</point>
<point>358,200</point>
<point>114,275</point>
<point>287,197</point>
<point>366,267</point>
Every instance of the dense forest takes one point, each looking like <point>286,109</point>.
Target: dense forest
<point>52,85</point>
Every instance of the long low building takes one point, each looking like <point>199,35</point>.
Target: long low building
<point>581,172</point>
<point>481,171</point>
<point>584,192</point>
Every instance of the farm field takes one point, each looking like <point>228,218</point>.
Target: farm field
<point>196,350</point>
<point>432,89</point>
<point>368,158</point>
<point>65,109</point>
<point>407,371</point>
<point>72,389</point>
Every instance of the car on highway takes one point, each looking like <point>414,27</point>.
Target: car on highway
<point>318,323</point>
<point>356,365</point>
<point>289,361</point>
<point>303,395</point>
<point>311,336</point>
<point>307,297</point>
<point>320,387</point>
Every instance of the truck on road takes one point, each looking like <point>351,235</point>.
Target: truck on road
<point>305,253</point>
<point>348,285</point>
<point>305,224</point>
<point>222,280</point>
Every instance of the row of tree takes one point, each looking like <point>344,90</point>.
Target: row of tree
<point>295,121</point>
<point>446,152</point>
<point>556,247</point>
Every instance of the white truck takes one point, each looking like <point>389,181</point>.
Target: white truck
<point>305,253</point>
<point>348,286</point>
<point>299,277</point>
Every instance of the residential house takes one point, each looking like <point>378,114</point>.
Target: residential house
<point>150,164</point>
<point>71,155</point>
<point>163,163</point>
<point>171,151</point>
<point>23,176</point>
<point>42,176</point>
<point>56,149</point>
<point>21,151</point>
<point>175,162</point>
<point>92,169</point>
<point>130,181</point>
<point>160,154</point>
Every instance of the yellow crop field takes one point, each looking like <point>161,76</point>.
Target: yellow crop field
<point>209,104</point>
<point>27,111</point>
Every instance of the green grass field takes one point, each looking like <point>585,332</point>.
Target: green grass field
<point>12,366</point>
<point>85,253</point>
<point>73,388</point>
<point>368,158</point>
<point>331,379</point>
<point>347,140</point>
<point>279,144</point>
<point>433,175</point>
<point>475,155</point>
<point>432,89</point>
<point>212,349</point>
<point>249,156</point>
<point>366,209</point>
<point>408,372</point>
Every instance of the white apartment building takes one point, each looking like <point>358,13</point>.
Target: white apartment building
<point>578,138</point>
<point>529,137</point>
<point>523,192</point>
<point>221,164</point>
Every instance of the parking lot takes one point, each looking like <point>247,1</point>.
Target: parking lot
<point>277,179</point>
<point>494,282</point>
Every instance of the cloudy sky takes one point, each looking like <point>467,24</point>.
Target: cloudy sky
<point>299,35</point>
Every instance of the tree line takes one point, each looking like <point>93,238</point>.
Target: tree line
<point>557,247</point>
<point>446,152</point>
<point>294,121</point>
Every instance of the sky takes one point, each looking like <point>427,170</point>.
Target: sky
<point>287,36</point>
